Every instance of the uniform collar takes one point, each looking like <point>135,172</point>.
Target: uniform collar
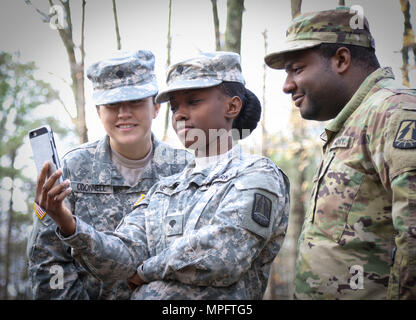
<point>103,168</point>
<point>217,171</point>
<point>336,124</point>
<point>105,172</point>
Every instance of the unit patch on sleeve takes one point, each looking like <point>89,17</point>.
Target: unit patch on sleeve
<point>406,135</point>
<point>262,209</point>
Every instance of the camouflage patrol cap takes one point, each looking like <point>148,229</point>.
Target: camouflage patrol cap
<point>342,25</point>
<point>125,76</point>
<point>205,70</point>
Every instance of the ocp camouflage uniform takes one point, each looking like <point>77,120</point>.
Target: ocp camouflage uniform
<point>361,220</point>
<point>101,197</point>
<point>200,235</point>
<point>358,240</point>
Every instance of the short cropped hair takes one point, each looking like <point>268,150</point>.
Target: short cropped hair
<point>365,57</point>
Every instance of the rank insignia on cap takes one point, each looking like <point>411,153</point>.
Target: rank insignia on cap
<point>406,135</point>
<point>262,209</point>
<point>139,200</point>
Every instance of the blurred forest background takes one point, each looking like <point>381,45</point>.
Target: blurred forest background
<point>28,101</point>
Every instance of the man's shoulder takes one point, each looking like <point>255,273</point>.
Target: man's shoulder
<point>383,100</point>
<point>392,95</point>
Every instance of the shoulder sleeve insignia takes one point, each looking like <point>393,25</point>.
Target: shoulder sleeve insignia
<point>139,200</point>
<point>262,209</point>
<point>406,135</point>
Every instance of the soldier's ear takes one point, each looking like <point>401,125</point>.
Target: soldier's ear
<point>234,105</point>
<point>156,111</point>
<point>98,111</point>
<point>341,61</point>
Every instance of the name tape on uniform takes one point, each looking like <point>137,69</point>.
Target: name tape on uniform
<point>91,188</point>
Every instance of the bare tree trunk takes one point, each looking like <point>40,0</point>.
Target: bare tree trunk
<point>296,6</point>
<point>76,68</point>
<point>282,274</point>
<point>82,124</point>
<point>216,25</point>
<point>116,25</point>
<point>265,142</point>
<point>297,213</point>
<point>235,10</point>
<point>298,134</point>
<point>408,42</point>
<point>8,252</point>
<point>169,49</point>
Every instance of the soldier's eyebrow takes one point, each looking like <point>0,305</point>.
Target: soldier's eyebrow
<point>171,99</point>
<point>289,65</point>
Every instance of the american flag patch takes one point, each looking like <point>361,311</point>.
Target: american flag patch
<point>39,211</point>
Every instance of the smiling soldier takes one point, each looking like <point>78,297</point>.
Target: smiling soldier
<point>107,176</point>
<point>358,239</point>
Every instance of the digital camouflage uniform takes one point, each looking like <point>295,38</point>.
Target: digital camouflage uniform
<point>200,234</point>
<point>100,197</point>
<point>207,235</point>
<point>359,235</point>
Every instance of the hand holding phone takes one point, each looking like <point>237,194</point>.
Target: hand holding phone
<point>50,196</point>
<point>51,190</point>
<point>44,149</point>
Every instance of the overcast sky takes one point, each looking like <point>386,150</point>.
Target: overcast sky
<point>143,25</point>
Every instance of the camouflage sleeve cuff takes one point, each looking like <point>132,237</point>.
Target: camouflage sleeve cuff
<point>80,239</point>
<point>147,272</point>
<point>141,274</point>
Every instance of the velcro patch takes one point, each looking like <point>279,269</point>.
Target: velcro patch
<point>406,135</point>
<point>174,225</point>
<point>262,209</point>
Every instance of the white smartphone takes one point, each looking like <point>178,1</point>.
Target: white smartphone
<point>44,149</point>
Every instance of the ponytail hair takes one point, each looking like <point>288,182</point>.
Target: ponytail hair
<point>250,111</point>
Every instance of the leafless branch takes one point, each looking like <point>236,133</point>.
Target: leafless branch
<point>45,17</point>
<point>116,25</point>
<point>216,25</point>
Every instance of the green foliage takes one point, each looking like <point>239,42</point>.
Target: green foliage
<point>20,96</point>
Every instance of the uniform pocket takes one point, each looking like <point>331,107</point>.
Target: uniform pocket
<point>337,190</point>
<point>103,211</point>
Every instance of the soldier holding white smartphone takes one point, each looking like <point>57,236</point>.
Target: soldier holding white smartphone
<point>105,177</point>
